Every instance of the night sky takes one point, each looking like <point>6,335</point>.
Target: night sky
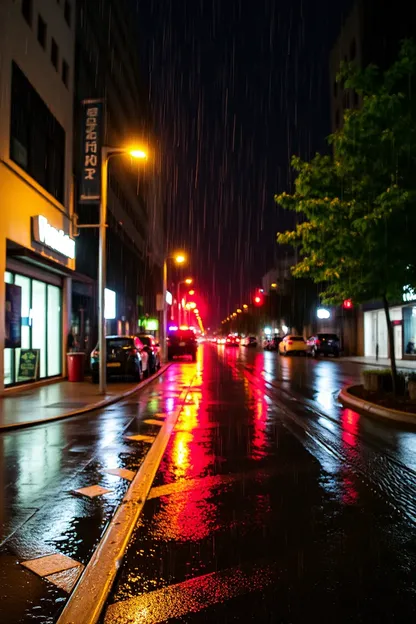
<point>235,87</point>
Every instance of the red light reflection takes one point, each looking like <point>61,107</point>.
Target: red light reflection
<point>349,422</point>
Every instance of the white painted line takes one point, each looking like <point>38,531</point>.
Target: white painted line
<point>150,421</point>
<point>88,598</point>
<point>44,566</point>
<point>123,473</point>
<point>92,491</point>
<point>140,438</point>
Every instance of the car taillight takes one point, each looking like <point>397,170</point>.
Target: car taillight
<point>318,342</point>
<point>228,340</point>
<point>237,339</point>
<point>290,342</point>
<point>133,351</point>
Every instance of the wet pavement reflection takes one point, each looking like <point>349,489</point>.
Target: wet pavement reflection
<point>274,504</point>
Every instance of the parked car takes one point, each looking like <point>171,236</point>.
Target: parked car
<point>126,356</point>
<point>250,341</point>
<point>182,342</point>
<point>328,344</point>
<point>272,344</point>
<point>153,349</point>
<point>292,344</point>
<point>232,341</point>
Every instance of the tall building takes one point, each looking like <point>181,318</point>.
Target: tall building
<point>108,68</point>
<point>37,251</point>
<point>371,33</point>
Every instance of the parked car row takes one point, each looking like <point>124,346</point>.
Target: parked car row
<point>320,344</point>
<point>128,356</point>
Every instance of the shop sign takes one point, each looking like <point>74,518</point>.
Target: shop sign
<point>13,319</point>
<point>92,135</point>
<point>29,364</point>
<point>409,294</point>
<point>150,324</point>
<point>49,236</point>
<point>109,304</point>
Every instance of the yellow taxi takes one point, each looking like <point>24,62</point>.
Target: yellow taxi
<point>293,344</point>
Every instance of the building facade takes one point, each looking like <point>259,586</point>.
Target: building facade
<point>108,68</point>
<point>37,250</point>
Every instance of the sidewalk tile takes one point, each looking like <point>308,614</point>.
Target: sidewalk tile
<point>121,472</point>
<point>44,566</point>
<point>92,491</point>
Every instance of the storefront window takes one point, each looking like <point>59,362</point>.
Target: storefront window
<point>39,323</point>
<point>24,283</point>
<point>409,327</point>
<point>54,330</point>
<point>40,327</point>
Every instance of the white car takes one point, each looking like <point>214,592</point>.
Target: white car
<point>293,344</point>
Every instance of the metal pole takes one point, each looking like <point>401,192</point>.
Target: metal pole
<point>178,294</point>
<point>102,272</point>
<point>165,310</point>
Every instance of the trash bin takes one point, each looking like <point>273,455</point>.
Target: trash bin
<point>75,366</point>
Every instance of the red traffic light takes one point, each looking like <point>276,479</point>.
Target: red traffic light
<point>258,299</point>
<point>347,304</point>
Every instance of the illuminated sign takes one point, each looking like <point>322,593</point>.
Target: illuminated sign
<point>151,324</point>
<point>409,294</point>
<point>109,304</point>
<point>92,131</point>
<point>169,298</point>
<point>323,313</point>
<point>49,236</point>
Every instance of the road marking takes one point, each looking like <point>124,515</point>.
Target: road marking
<point>88,598</point>
<point>193,595</point>
<point>151,421</point>
<point>92,491</point>
<point>51,564</point>
<point>140,438</point>
<point>121,472</point>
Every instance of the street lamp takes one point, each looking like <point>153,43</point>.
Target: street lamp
<point>106,153</point>
<point>188,281</point>
<point>178,258</point>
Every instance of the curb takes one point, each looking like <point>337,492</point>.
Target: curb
<point>372,409</point>
<point>88,598</point>
<point>88,408</point>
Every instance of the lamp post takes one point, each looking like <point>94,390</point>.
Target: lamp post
<point>106,154</point>
<point>179,258</point>
<point>188,281</point>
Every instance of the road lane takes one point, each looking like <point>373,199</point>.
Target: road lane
<point>249,521</point>
<point>41,512</point>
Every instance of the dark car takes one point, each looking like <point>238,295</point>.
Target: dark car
<point>182,342</point>
<point>153,349</point>
<point>273,344</point>
<point>125,356</point>
<point>232,341</point>
<point>327,344</point>
<point>250,341</point>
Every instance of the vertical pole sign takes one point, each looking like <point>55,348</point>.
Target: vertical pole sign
<point>92,141</point>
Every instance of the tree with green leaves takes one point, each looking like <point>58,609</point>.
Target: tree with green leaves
<point>357,230</point>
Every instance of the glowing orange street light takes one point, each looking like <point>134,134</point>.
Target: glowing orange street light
<point>191,293</point>
<point>189,280</point>
<point>245,306</point>
<point>239,311</point>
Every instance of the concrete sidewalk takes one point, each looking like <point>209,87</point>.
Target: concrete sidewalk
<point>382,362</point>
<point>31,406</point>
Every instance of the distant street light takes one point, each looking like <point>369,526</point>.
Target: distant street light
<point>178,258</point>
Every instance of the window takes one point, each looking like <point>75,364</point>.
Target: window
<point>54,54</point>
<point>27,10</point>
<point>42,32</point>
<point>67,12</point>
<point>353,49</point>
<point>65,73</point>
<point>37,140</point>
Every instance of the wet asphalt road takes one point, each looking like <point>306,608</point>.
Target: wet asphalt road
<point>274,504</point>
<point>271,504</point>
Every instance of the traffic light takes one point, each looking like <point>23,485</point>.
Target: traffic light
<point>258,299</point>
<point>347,304</point>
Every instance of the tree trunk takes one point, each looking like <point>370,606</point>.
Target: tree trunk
<point>390,333</point>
